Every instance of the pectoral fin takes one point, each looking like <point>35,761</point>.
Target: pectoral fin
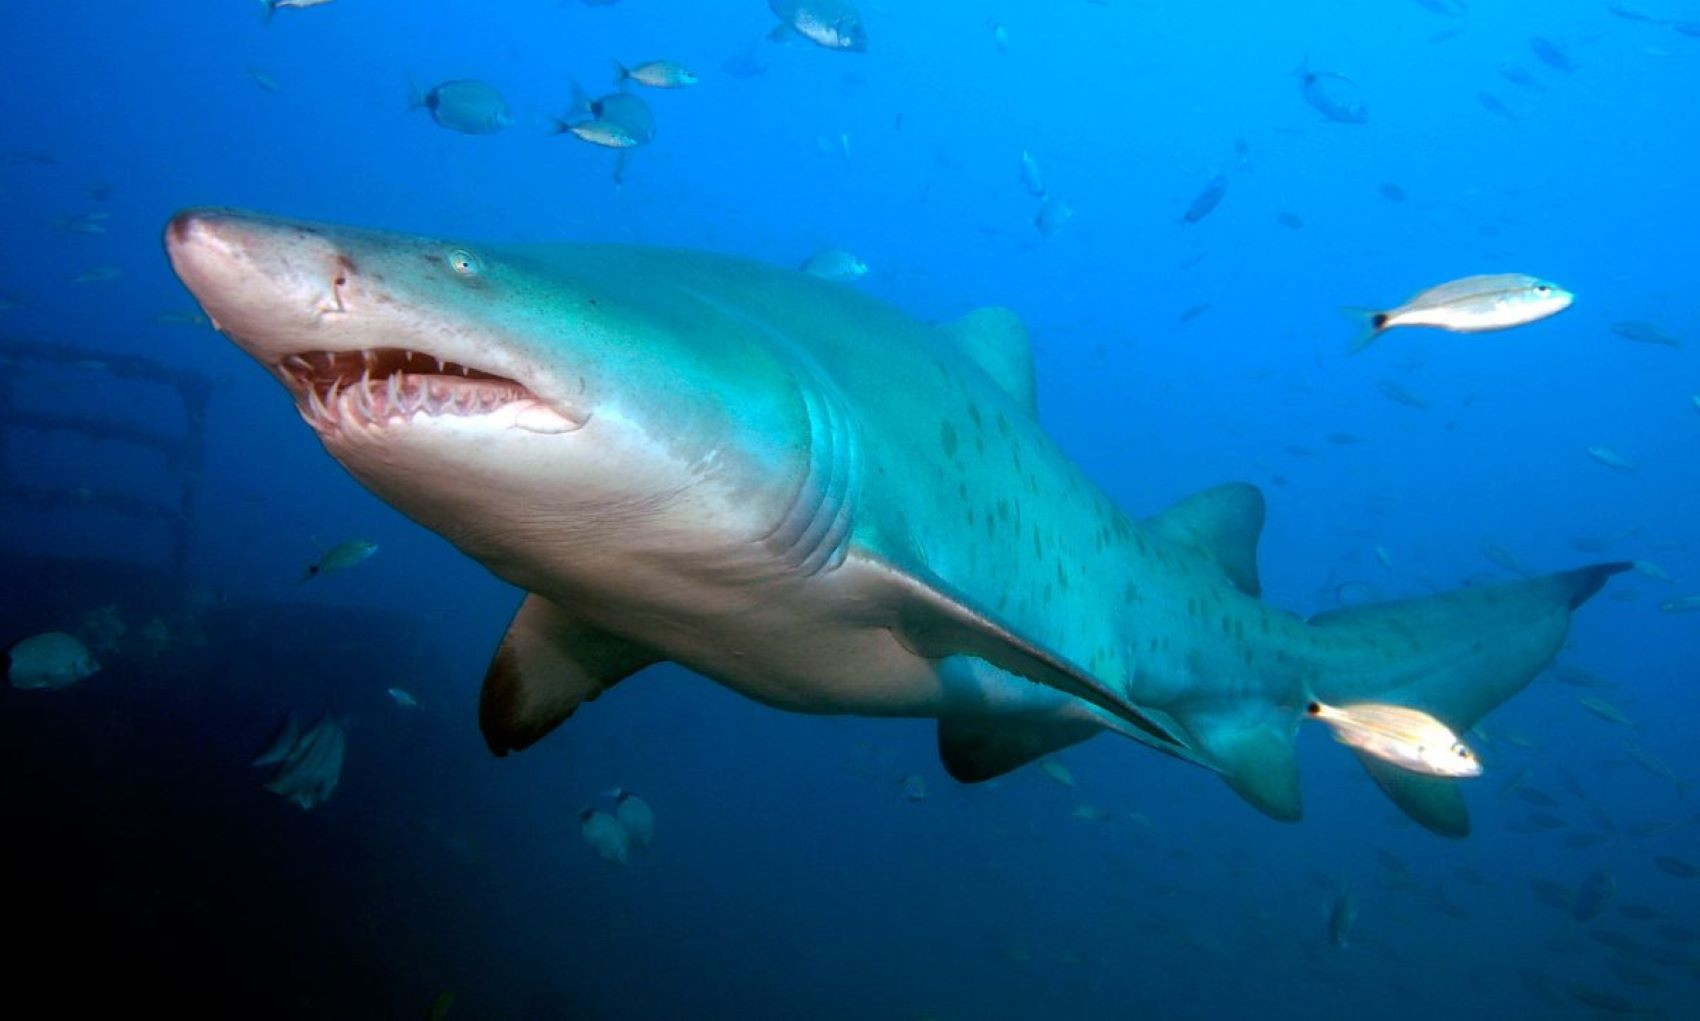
<point>935,622</point>
<point>549,663</point>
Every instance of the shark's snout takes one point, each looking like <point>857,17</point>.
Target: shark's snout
<point>351,352</point>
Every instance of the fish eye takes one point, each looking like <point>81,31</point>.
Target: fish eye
<point>1463,753</point>
<point>1543,289</point>
<point>464,262</point>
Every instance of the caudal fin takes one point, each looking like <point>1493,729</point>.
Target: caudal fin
<point>1455,656</point>
<point>1370,325</point>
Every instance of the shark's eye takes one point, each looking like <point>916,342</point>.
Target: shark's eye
<point>464,263</point>
<point>1543,289</point>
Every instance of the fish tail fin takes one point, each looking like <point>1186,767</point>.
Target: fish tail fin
<point>415,94</point>
<point>1371,324</point>
<point>557,126</point>
<point>621,74</point>
<point>1455,656</point>
<point>581,100</point>
<point>267,9</point>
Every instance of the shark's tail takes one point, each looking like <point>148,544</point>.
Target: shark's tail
<point>1455,656</point>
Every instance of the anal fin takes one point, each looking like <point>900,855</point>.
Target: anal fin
<point>549,663</point>
<point>975,749</point>
<point>1435,803</point>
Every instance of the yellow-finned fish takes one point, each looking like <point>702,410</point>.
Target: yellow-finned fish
<point>657,74</point>
<point>1407,738</point>
<point>341,557</point>
<point>1494,301</point>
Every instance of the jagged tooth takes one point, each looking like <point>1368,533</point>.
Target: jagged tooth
<point>315,406</point>
<point>439,361</point>
<point>392,393</point>
<point>363,396</point>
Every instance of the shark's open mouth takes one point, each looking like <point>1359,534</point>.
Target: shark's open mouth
<point>379,386</point>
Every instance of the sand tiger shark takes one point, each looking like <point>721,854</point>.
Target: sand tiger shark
<point>796,490</point>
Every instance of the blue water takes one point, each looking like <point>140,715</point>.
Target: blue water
<point>790,876</point>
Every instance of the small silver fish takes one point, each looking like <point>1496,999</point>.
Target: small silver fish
<point>49,660</point>
<point>635,815</point>
<point>1549,54</point>
<point>835,264</point>
<point>1341,916</point>
<point>1517,75</point>
<point>271,7</point>
<point>1399,394</point>
<point>97,275</point>
<point>1592,896</point>
<point>1611,459</point>
<point>1652,570</point>
<point>309,765</point>
<point>1206,201</point>
<point>605,836</point>
<point>1407,738</point>
<point>1475,304</point>
<point>341,557</point>
<point>1499,556</point>
<point>1031,178</point>
<point>618,120</point>
<point>1685,604</point>
<point>1058,772</point>
<point>1496,106</point>
<point>1644,333</point>
<point>834,24</point>
<point>914,787</point>
<point>1333,95</point>
<point>657,74</point>
<point>1604,710</point>
<point>466,105</point>
<point>1054,215</point>
<point>402,698</point>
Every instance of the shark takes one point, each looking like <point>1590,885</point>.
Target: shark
<point>804,494</point>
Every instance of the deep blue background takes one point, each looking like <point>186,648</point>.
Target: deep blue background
<point>790,877</point>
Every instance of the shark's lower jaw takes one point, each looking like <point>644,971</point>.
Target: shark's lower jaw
<point>380,388</point>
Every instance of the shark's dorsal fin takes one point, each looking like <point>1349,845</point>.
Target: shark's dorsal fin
<point>549,663</point>
<point>996,340</point>
<point>1435,803</point>
<point>977,749</point>
<point>1222,522</point>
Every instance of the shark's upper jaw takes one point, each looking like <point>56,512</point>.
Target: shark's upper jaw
<point>384,387</point>
<point>306,303</point>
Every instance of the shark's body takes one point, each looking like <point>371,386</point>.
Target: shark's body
<point>805,495</point>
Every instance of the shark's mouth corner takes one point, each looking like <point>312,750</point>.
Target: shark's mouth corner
<point>382,387</point>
